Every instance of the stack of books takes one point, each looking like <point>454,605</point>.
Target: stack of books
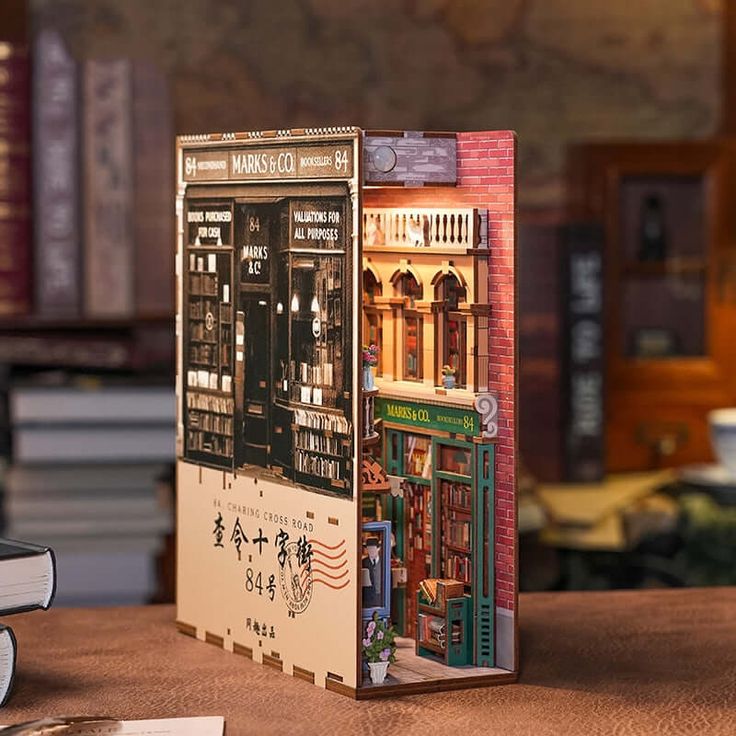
<point>437,591</point>
<point>86,462</point>
<point>27,582</point>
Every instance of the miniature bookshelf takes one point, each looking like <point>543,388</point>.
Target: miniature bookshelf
<point>444,630</point>
<point>312,372</point>
<point>454,494</point>
<point>321,448</point>
<point>208,335</point>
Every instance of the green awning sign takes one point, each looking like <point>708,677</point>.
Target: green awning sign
<point>428,416</point>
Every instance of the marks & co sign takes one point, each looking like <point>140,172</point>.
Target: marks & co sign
<point>332,160</point>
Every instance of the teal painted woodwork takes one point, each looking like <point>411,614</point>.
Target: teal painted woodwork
<point>458,631</point>
<point>483,562</point>
<point>393,509</point>
<point>478,474</point>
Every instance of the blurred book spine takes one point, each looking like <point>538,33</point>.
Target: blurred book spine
<point>108,189</point>
<point>153,162</point>
<point>583,352</point>
<point>57,261</point>
<point>15,212</point>
<point>540,378</point>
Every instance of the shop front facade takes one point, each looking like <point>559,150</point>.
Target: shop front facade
<point>266,337</point>
<point>324,488</point>
<point>443,519</point>
<point>425,305</point>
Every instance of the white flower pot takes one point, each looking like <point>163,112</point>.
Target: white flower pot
<point>378,671</point>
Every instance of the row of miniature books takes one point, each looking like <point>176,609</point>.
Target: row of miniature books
<point>322,467</point>
<point>316,442</point>
<point>432,629</point>
<point>27,582</point>
<point>209,443</point>
<point>458,494</point>
<point>207,422</point>
<point>206,264</point>
<point>207,402</point>
<point>199,308</point>
<point>310,395</point>
<point>205,284</point>
<point>210,380</point>
<point>91,474</point>
<point>98,246</point>
<point>457,530</point>
<point>320,375</point>
<point>458,567</point>
<point>211,355</point>
<point>321,420</point>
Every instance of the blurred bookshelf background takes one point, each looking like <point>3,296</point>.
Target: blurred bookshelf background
<point>626,240</point>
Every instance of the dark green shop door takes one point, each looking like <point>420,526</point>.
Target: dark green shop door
<point>256,379</point>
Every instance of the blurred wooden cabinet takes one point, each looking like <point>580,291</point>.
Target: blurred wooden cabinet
<point>669,213</point>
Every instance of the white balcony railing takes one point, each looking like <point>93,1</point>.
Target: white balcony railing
<point>424,227</point>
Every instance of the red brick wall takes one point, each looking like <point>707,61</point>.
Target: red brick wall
<point>486,179</point>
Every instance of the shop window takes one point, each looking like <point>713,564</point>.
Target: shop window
<point>452,328</point>
<point>372,317</point>
<point>454,460</point>
<point>411,292</point>
<point>315,310</point>
<point>371,288</point>
<point>418,456</point>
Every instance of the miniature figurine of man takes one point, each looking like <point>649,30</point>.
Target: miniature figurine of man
<point>372,581</point>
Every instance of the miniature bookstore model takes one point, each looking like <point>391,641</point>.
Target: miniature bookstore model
<point>346,397</point>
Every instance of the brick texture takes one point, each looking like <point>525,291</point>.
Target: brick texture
<point>486,179</point>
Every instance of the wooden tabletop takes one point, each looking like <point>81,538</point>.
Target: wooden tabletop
<point>640,662</point>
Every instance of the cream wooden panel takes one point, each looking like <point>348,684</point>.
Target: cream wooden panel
<point>314,622</point>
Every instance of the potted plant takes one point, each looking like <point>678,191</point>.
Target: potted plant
<point>448,376</point>
<point>379,648</point>
<point>370,358</point>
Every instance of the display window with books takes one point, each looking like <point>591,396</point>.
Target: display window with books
<point>346,512</point>
<point>279,366</point>
<point>208,335</point>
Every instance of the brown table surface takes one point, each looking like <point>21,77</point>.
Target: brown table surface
<point>633,662</point>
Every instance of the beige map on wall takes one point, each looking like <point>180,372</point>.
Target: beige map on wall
<point>557,71</point>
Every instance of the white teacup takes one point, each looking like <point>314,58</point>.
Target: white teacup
<point>723,437</point>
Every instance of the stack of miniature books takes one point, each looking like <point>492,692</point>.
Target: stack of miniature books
<point>27,582</point>
<point>438,590</point>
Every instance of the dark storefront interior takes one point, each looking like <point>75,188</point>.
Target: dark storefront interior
<point>290,316</point>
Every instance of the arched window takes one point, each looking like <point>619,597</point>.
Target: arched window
<point>372,318</point>
<point>452,346</point>
<point>411,292</point>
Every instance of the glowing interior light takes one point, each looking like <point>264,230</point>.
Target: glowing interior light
<point>295,302</point>
<point>315,305</point>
